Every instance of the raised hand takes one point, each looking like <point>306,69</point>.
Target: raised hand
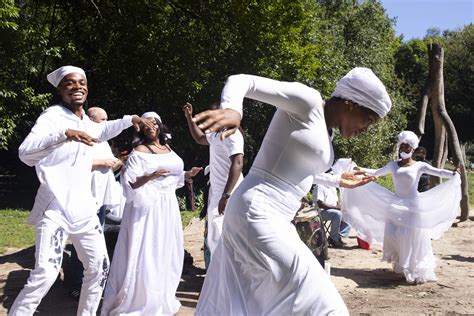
<point>138,121</point>
<point>226,120</point>
<point>188,110</point>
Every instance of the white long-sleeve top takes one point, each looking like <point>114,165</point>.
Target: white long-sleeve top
<point>64,168</point>
<point>405,179</point>
<point>296,146</point>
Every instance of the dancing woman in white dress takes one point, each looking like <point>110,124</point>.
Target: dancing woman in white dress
<point>261,266</point>
<point>406,220</point>
<point>148,259</point>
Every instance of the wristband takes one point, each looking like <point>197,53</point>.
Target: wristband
<point>225,195</point>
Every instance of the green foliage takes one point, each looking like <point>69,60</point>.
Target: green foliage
<point>412,69</point>
<point>156,55</point>
<point>386,182</point>
<point>188,215</point>
<point>14,231</point>
<point>8,15</point>
<point>458,79</point>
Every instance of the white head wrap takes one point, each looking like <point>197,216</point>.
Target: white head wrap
<point>155,115</point>
<point>151,114</point>
<point>56,76</point>
<point>408,137</point>
<point>362,86</point>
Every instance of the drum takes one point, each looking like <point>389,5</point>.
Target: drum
<point>309,227</point>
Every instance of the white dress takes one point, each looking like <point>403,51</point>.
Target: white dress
<point>219,162</point>
<point>260,266</point>
<point>405,221</point>
<point>148,259</point>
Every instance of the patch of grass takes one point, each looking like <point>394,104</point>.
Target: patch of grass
<point>187,216</point>
<point>14,231</point>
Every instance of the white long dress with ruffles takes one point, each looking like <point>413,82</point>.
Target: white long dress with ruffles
<point>405,221</point>
<point>261,266</point>
<point>148,258</point>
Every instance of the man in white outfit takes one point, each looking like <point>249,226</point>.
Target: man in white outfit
<point>60,147</point>
<point>225,163</point>
<point>105,189</point>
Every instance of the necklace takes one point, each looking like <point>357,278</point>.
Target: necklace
<point>161,147</point>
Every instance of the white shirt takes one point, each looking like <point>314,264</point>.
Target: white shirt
<point>325,194</point>
<point>106,190</point>
<point>219,158</point>
<point>64,168</point>
<point>297,145</point>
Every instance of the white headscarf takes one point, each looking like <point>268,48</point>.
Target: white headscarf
<point>155,115</point>
<point>56,76</point>
<point>151,114</point>
<point>363,87</point>
<point>408,137</point>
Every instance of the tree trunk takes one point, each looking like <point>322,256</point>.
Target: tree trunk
<point>440,115</point>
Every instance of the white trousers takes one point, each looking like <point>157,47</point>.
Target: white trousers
<point>50,241</point>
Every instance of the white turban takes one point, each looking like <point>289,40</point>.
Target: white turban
<point>362,86</point>
<point>151,114</point>
<point>56,76</point>
<point>408,137</point>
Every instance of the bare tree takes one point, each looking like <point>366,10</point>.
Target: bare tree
<point>445,132</point>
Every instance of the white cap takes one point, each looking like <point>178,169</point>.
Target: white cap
<point>56,76</point>
<point>363,87</point>
<point>151,114</point>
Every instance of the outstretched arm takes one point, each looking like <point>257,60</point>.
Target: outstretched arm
<point>443,173</point>
<point>377,172</point>
<point>292,97</point>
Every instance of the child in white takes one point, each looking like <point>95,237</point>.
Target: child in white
<point>406,220</point>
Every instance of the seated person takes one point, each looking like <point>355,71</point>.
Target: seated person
<point>328,202</point>
<point>425,180</point>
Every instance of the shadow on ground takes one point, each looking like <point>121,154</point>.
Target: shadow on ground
<point>56,302</point>
<point>377,278</point>
<point>16,267</point>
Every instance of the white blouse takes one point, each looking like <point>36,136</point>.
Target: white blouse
<point>297,145</point>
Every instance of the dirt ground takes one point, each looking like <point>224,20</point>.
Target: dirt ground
<point>368,286</point>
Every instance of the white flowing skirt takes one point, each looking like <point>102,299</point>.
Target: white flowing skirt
<point>405,226</point>
<point>148,260</point>
<point>214,220</point>
<point>260,266</point>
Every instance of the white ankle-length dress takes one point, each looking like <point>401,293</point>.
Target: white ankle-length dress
<point>148,258</point>
<point>260,266</point>
<point>405,221</point>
